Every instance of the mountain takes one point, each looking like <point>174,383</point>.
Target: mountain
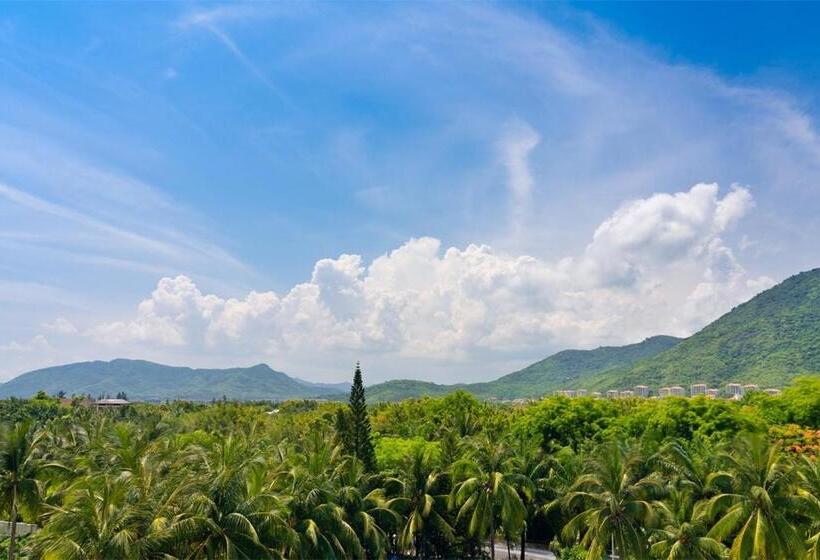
<point>142,380</point>
<point>565,370</point>
<point>768,340</point>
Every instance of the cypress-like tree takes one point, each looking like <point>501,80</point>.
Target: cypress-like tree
<point>358,441</point>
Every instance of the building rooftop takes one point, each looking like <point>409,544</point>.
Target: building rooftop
<point>112,402</point>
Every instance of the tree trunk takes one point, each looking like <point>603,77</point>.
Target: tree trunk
<point>13,532</point>
<point>523,541</point>
<point>492,533</point>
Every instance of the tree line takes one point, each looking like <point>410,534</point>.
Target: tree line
<point>450,477</point>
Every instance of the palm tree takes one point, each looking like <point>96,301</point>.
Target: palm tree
<point>96,522</point>
<point>531,470</point>
<point>616,505</point>
<point>683,536</point>
<point>809,474</point>
<point>365,507</point>
<point>18,474</point>
<point>755,513</point>
<point>232,513</point>
<point>692,472</point>
<point>485,492</point>
<point>309,479</point>
<point>421,503</point>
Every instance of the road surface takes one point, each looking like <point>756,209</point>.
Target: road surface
<point>534,552</point>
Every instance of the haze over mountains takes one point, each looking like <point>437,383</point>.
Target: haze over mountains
<point>767,340</point>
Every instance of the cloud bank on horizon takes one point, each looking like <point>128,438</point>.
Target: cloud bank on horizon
<point>497,186</point>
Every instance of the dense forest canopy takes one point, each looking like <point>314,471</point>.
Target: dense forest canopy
<point>655,478</point>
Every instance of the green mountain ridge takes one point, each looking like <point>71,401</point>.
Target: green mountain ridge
<point>768,340</point>
<point>564,370</point>
<point>143,380</point>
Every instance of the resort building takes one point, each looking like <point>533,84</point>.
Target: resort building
<point>750,387</point>
<point>111,403</point>
<point>772,392</point>
<point>626,394</point>
<point>734,390</point>
<point>712,393</point>
<point>663,392</point>
<point>677,391</point>
<point>581,393</point>
<point>597,394</point>
<point>698,389</point>
<point>641,391</point>
<point>612,394</point>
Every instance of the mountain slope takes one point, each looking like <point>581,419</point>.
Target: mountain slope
<point>768,340</point>
<point>564,370</point>
<point>568,369</point>
<point>142,380</point>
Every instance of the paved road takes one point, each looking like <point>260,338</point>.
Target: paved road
<point>533,552</point>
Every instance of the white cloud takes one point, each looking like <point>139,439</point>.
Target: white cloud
<point>656,265</point>
<point>38,343</point>
<point>61,325</point>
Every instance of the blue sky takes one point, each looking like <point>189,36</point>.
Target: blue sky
<point>443,191</point>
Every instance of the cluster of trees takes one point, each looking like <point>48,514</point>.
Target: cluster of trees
<point>451,477</point>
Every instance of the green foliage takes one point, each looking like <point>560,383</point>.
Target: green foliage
<point>355,426</point>
<point>576,552</point>
<point>665,478</point>
<point>392,452</point>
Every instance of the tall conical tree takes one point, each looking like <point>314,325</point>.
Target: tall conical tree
<point>358,439</point>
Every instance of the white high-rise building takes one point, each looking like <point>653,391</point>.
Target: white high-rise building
<point>734,390</point>
<point>641,391</point>
<point>697,389</point>
<point>677,391</point>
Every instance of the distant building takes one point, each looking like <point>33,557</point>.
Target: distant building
<point>641,391</point>
<point>677,391</point>
<point>697,389</point>
<point>111,403</point>
<point>712,393</point>
<point>612,394</point>
<point>734,391</point>
<point>581,393</point>
<point>750,388</point>
<point>626,394</point>
<point>772,392</point>
<point>597,394</point>
<point>664,392</point>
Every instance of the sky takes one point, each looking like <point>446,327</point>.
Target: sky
<point>443,191</point>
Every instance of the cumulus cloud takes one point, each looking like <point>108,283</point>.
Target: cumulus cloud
<point>656,265</point>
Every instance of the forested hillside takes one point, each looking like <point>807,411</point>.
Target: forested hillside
<point>768,340</point>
